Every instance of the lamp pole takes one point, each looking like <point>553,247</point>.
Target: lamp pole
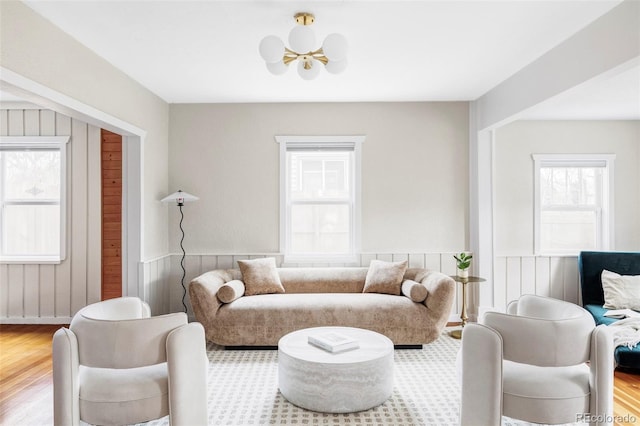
<point>184,271</point>
<point>181,197</point>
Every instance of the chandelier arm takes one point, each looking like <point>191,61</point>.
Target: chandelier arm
<point>288,59</point>
<point>306,59</point>
<point>322,59</point>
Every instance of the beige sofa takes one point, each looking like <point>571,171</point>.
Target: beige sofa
<point>316,297</point>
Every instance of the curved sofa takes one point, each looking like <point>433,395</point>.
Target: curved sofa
<point>317,297</point>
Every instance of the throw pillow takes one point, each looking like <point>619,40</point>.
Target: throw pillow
<point>230,291</point>
<point>260,276</point>
<point>384,277</point>
<point>414,291</point>
<point>621,291</point>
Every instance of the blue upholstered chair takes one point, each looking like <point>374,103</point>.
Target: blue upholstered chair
<point>590,265</point>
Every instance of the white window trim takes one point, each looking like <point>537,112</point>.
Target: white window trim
<point>59,142</point>
<point>323,141</point>
<point>577,160</point>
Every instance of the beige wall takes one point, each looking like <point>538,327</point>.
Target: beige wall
<point>513,175</point>
<point>414,172</point>
<point>34,48</point>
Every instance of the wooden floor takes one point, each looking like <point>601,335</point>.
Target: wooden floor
<point>25,376</point>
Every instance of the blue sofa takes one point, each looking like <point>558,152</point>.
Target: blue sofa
<point>590,266</point>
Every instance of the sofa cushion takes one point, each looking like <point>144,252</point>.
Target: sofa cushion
<point>263,320</point>
<point>384,277</point>
<point>260,276</point>
<point>414,291</point>
<point>230,291</point>
<point>621,291</point>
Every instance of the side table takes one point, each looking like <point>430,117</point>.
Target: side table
<point>457,334</point>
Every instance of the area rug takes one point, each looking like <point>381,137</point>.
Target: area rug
<point>243,390</point>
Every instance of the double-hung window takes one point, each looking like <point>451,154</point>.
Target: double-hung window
<point>320,198</point>
<point>32,199</point>
<point>573,202</point>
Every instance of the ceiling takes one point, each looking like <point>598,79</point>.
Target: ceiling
<point>207,51</point>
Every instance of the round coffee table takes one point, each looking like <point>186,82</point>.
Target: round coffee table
<point>344,382</point>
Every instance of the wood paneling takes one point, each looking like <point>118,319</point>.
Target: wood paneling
<point>52,293</point>
<point>111,154</point>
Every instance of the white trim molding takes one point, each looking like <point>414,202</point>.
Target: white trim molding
<point>606,234</point>
<point>350,142</point>
<point>58,143</point>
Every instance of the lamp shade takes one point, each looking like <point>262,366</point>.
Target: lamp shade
<point>302,39</point>
<point>271,49</point>
<point>336,67</point>
<point>277,68</point>
<point>311,72</point>
<point>335,47</point>
<point>179,197</point>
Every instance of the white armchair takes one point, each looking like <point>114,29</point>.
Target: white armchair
<point>544,361</point>
<point>117,365</point>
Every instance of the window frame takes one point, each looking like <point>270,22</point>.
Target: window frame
<point>39,142</point>
<point>606,215</point>
<point>320,142</point>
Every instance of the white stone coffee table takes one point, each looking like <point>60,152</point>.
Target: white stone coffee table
<point>346,382</point>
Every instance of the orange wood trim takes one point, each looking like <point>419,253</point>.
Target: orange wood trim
<point>111,160</point>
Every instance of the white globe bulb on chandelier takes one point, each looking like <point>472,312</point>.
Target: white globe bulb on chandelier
<point>302,41</point>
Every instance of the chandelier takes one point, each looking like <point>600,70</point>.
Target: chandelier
<point>302,40</point>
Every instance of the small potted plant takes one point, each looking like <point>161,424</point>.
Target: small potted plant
<point>463,261</point>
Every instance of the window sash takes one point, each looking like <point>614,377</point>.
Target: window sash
<point>36,143</point>
<point>292,144</point>
<point>602,205</point>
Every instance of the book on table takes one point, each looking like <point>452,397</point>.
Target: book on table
<point>622,313</point>
<point>333,342</point>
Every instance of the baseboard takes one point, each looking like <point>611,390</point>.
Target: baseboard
<point>36,320</point>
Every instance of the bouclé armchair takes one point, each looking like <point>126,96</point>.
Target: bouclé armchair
<point>544,361</point>
<point>118,365</point>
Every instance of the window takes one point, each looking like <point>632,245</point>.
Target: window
<point>32,190</point>
<point>320,197</point>
<point>573,203</point>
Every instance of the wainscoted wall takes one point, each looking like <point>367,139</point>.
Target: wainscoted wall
<point>164,292</point>
<point>551,276</point>
<point>51,294</point>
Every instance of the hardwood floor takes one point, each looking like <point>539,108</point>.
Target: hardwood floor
<point>25,377</point>
<point>25,370</point>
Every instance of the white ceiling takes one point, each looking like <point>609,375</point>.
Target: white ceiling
<point>207,51</point>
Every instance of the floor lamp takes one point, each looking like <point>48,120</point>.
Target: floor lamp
<point>180,197</point>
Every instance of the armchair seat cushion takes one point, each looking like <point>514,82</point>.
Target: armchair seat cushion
<point>123,396</point>
<point>545,394</point>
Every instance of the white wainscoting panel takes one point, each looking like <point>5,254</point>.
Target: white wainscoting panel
<point>45,293</point>
<point>162,276</point>
<point>551,276</point>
